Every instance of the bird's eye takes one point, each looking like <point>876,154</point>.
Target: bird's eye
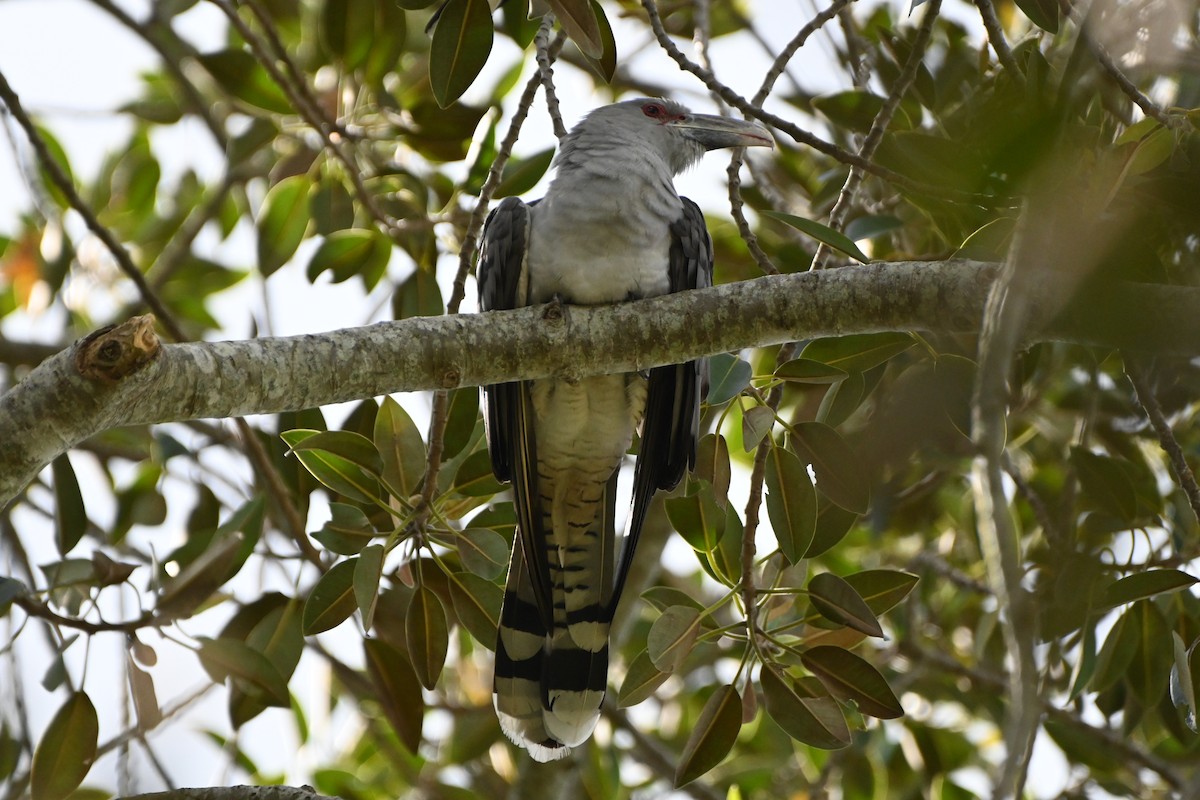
<point>653,110</point>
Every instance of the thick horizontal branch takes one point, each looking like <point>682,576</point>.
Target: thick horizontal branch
<point>56,406</point>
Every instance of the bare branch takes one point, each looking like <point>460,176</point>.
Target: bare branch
<point>879,126</point>
<point>1166,437</point>
<point>55,406</point>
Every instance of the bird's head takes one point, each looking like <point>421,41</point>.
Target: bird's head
<point>664,128</point>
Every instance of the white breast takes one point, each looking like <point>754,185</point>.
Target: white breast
<point>595,241</point>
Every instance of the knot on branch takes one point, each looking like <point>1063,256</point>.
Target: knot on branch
<point>117,351</point>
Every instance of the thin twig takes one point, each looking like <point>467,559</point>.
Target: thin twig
<point>36,608</point>
<point>1117,743</point>
<point>790,49</point>
<point>396,229</point>
<point>154,33</point>
<point>64,185</point>
<point>545,62</point>
<point>1114,72</point>
<point>737,211</point>
<point>754,506</point>
<point>1005,316</point>
<point>879,125</point>
<point>302,89</point>
<point>995,32</point>
<point>796,132</point>
<point>777,68</point>
<point>466,253</point>
<point>1166,437</point>
<point>278,492</point>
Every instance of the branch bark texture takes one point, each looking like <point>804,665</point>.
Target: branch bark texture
<point>55,407</point>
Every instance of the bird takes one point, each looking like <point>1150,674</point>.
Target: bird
<point>610,228</point>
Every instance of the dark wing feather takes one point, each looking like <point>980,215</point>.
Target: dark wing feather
<point>508,414</point>
<point>671,424</point>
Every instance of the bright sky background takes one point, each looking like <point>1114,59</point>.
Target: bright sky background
<point>72,66</point>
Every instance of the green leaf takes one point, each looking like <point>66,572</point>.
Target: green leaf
<point>858,352</point>
<point>805,370</point>
<point>278,636</point>
<point>59,156</point>
<point>396,690</point>
<point>642,678</point>
<point>332,600</point>
<point>849,677</point>
<point>663,597</point>
<point>725,563</point>
<point>351,446</point>
<point>1118,651</point>
<point>853,109</point>
<point>427,635</point>
<point>712,736</point>
<point>757,422</point>
<point>698,519</point>
<point>1085,664</point>
<point>282,222</point>
<point>240,74</point>
<point>1146,144</point>
<point>839,473</point>
<point>815,721</point>
<point>460,47</point>
<point>1043,13</point>
<point>10,589</point>
<point>483,551</point>
<point>475,479</point>
<point>871,226</point>
<point>881,589</point>
<point>833,523</point>
<point>334,471</point>
<point>347,30</point>
<point>388,40</point>
<point>521,175</point>
<point>578,19</point>
<point>1145,584</point>
<point>791,503</point>
<point>399,443</point>
<point>331,207</point>
<point>1150,669</point>
<point>822,233</point>
<point>70,516</point>
<point>842,399</point>
<point>712,465</point>
<point>837,601</point>
<point>145,699</point>
<point>955,384</point>
<point>728,376</point>
<point>1105,483</point>
<point>364,252</point>
<point>184,593</point>
<point>672,636</point>
<point>367,571</point>
<point>477,603</point>
<point>604,65</point>
<point>1183,682</point>
<point>461,421</point>
<point>418,296</point>
<point>67,749</point>
<point>229,658</point>
<point>347,532</point>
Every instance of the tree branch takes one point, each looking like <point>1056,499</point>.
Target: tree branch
<point>56,406</point>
